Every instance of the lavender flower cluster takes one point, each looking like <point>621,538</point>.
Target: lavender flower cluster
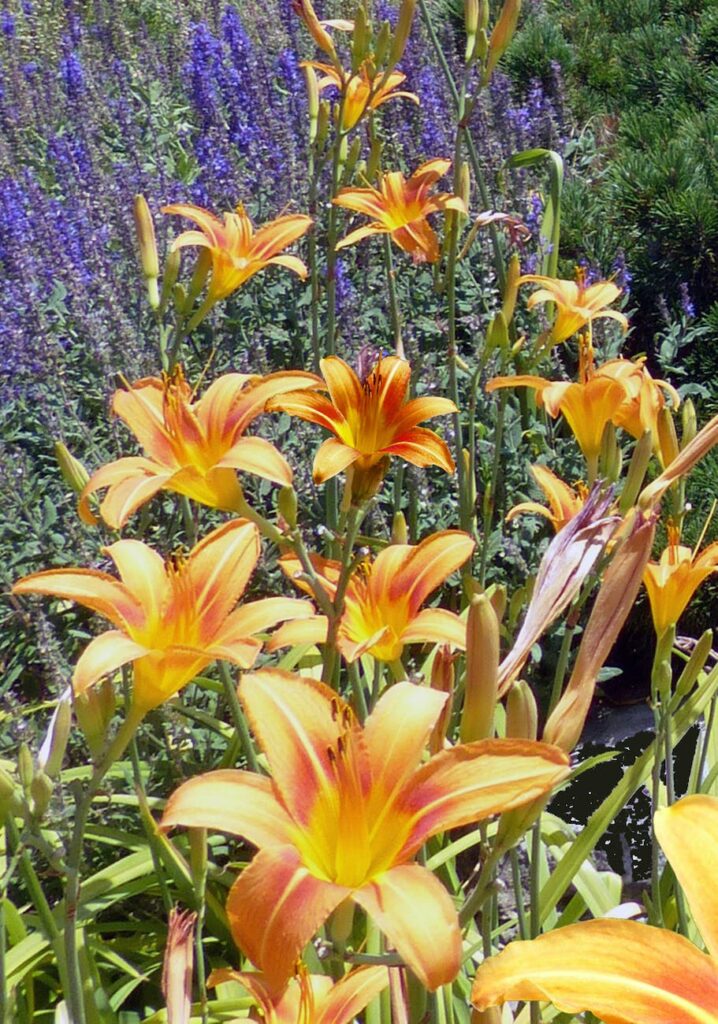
<point>204,102</point>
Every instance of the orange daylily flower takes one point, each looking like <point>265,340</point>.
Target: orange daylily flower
<point>370,420</point>
<point>237,251</point>
<point>345,812</point>
<point>193,447</point>
<point>309,998</point>
<point>401,208</point>
<point>587,405</point>
<point>673,580</point>
<point>172,619</point>
<point>645,396</point>
<point>577,305</point>
<point>365,90</point>
<point>382,605</point>
<point>564,501</point>
<point>622,971</point>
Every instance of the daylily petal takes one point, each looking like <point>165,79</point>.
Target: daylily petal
<point>362,200</point>
<point>126,496</point>
<point>241,803</point>
<point>331,458</point>
<point>103,655</point>
<point>623,972</point>
<point>345,1000</point>
<point>345,388</point>
<point>96,590</point>
<point>375,228</point>
<point>259,616</point>
<point>219,568</point>
<point>418,917</point>
<point>435,626</point>
<point>141,407</point>
<point>475,780</point>
<point>396,733</point>
<point>143,572</point>
<point>113,473</point>
<point>688,833</point>
<point>289,263</point>
<point>291,904</point>
<point>419,409</point>
<point>218,488</point>
<point>296,720</point>
<point>431,562</point>
<point>159,675</point>
<point>302,631</point>
<point>422,447</point>
<point>308,405</point>
<point>255,455</point>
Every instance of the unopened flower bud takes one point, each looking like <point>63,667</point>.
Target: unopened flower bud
<point>374,161</point>
<point>52,751</point>
<point>401,33</point>
<point>521,712</point>
<point>94,710</point>
<point>464,191</point>
<point>636,472</point>
<point>501,36</point>
<point>689,422</point>
<point>498,596</point>
<point>399,531</point>
<point>667,436</point>
<point>609,460</point>
<point>695,664</point>
<point>73,472</point>
<point>25,766</point>
<point>310,80</point>
<point>199,277</point>
<point>361,37</point>
<point>287,505</point>
<point>149,260</point>
<point>490,1016</point>
<point>497,335</point>
<point>319,34</point>
<point>9,795</point>
<point>178,964</point>
<point>512,286</point>
<point>323,121</point>
<point>442,679</point>
<point>40,793</point>
<point>169,278</point>
<point>482,670</point>
<point>353,156</point>
<point>471,25</point>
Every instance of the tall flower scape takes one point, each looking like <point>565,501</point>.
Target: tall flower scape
<point>377,750</point>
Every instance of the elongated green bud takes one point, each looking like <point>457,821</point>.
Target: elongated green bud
<point>498,595</point>
<point>501,36</point>
<point>471,25</point>
<point>482,671</point>
<point>399,531</point>
<point>442,679</point>
<point>198,280</point>
<point>374,162</point>
<point>667,436</point>
<point>401,34</point>
<point>52,751</point>
<point>353,156</point>
<point>25,766</point>
<point>323,121</point>
<point>695,664</point>
<point>287,505</point>
<point>609,460</point>
<point>689,422</point>
<point>94,710</point>
<point>9,794</point>
<point>521,712</point>
<point>636,472</point>
<point>40,793</point>
<point>73,472</point>
<point>497,335</point>
<point>512,287</point>
<point>169,278</point>
<point>145,229</point>
<point>360,37</point>
<point>383,42</point>
<point>310,80</point>
<point>464,191</point>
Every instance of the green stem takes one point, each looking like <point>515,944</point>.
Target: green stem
<point>561,666</point>
<point>535,899</point>
<point>374,948</point>
<point>73,863</point>
<point>198,863</point>
<point>393,298</point>
<point>331,654</point>
<point>657,910</point>
<point>518,893</point>
<point>240,722</point>
<point>704,748</point>
<point>360,705</point>
<point>489,507</point>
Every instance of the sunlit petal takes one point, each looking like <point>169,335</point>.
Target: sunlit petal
<point>102,656</point>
